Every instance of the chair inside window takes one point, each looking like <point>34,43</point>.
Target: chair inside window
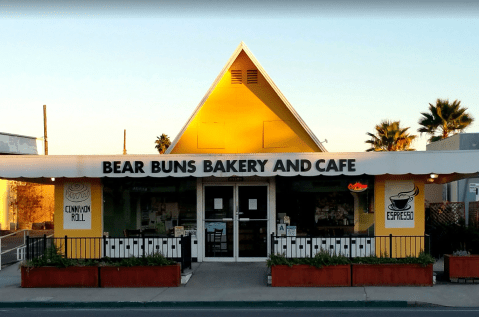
<point>149,232</point>
<point>217,243</point>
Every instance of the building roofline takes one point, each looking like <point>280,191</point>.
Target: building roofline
<point>242,47</point>
<point>21,136</point>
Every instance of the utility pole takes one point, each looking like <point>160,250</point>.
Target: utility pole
<point>45,137</point>
<point>124,142</point>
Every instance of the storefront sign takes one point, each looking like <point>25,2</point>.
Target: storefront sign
<point>399,204</point>
<point>213,167</point>
<point>241,164</point>
<point>77,206</point>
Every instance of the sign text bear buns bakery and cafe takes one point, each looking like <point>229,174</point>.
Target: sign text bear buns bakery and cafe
<point>232,193</point>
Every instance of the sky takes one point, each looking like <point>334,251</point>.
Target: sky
<point>105,66</point>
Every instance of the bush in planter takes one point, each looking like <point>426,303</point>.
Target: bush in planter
<point>54,270</point>
<point>374,271</point>
<point>156,259</point>
<point>149,271</point>
<point>322,270</point>
<point>423,260</point>
<point>322,258</point>
<point>54,258</point>
<point>461,264</point>
<point>366,271</point>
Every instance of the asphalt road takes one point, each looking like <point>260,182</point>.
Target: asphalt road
<point>233,312</point>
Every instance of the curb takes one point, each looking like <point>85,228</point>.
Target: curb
<point>205,304</point>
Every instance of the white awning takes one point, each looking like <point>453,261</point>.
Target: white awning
<point>243,165</point>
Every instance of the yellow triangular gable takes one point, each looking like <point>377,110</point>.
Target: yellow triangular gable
<point>244,112</point>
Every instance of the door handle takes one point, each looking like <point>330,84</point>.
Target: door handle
<point>244,219</point>
<point>227,219</point>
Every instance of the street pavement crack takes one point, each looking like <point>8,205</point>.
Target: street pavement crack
<point>365,293</point>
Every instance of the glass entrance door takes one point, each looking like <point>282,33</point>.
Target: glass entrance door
<point>252,221</point>
<point>235,222</point>
<point>219,221</point>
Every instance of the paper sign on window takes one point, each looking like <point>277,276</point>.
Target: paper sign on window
<point>291,231</point>
<point>281,229</point>
<point>253,204</point>
<point>218,203</point>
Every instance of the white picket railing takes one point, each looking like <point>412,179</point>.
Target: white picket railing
<point>15,248</point>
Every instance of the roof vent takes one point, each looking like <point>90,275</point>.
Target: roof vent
<point>236,77</point>
<point>252,76</point>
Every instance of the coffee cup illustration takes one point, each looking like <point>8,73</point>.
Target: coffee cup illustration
<point>401,200</point>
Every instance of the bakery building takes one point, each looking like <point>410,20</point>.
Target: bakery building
<point>244,177</point>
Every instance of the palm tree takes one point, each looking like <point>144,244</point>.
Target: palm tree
<point>445,119</point>
<point>390,136</point>
<point>162,143</point>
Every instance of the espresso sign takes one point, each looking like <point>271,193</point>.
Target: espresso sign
<point>399,204</point>
<point>77,206</point>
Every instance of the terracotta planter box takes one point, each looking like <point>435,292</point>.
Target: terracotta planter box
<point>141,276</point>
<point>461,266</point>
<point>305,275</point>
<point>392,275</point>
<point>74,276</point>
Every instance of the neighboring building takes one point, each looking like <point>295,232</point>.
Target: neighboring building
<point>23,202</point>
<point>464,190</point>
<point>244,165</point>
<point>13,144</point>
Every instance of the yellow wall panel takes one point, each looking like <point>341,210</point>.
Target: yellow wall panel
<point>244,108</point>
<point>411,242</point>
<point>205,130</point>
<point>85,248</point>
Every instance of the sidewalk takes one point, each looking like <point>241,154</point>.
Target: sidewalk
<point>237,284</point>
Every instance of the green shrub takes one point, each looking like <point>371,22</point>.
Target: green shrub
<point>449,237</point>
<point>156,259</point>
<point>423,259</point>
<point>54,257</point>
<point>324,258</point>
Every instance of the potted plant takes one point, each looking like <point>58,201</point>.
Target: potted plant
<point>321,270</point>
<point>374,271</point>
<point>54,270</point>
<point>461,264</point>
<point>150,271</point>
